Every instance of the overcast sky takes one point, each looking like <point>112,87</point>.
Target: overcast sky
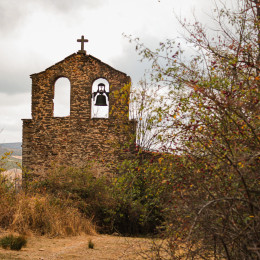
<point>35,34</point>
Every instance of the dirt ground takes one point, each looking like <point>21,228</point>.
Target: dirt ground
<point>71,248</point>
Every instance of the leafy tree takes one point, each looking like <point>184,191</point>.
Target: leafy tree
<point>210,117</point>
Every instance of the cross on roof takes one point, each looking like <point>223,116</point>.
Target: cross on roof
<point>82,40</point>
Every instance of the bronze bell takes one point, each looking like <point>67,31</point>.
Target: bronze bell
<point>101,100</point>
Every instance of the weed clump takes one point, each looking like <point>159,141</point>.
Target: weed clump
<point>90,244</point>
<point>13,242</point>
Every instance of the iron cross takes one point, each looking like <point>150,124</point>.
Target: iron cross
<point>82,40</point>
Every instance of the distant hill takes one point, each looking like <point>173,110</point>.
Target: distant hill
<point>16,158</point>
<point>16,148</point>
<point>12,145</point>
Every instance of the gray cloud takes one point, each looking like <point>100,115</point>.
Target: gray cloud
<point>69,5</point>
<point>130,62</point>
<point>11,84</point>
<point>12,109</point>
<point>13,13</point>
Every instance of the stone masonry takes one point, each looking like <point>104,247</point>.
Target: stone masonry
<point>76,139</point>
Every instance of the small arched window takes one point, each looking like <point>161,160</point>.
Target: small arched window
<point>100,99</point>
<point>61,98</point>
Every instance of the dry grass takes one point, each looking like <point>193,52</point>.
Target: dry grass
<point>39,215</point>
<point>25,213</point>
<point>7,204</point>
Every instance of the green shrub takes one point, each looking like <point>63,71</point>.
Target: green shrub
<point>130,204</point>
<point>142,189</point>
<point>13,242</point>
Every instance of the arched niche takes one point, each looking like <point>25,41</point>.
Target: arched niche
<point>61,100</point>
<point>100,87</point>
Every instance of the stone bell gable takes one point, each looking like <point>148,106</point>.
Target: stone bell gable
<point>81,70</point>
<point>79,137</point>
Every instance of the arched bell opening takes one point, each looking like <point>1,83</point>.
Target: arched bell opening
<point>100,99</point>
<point>61,100</point>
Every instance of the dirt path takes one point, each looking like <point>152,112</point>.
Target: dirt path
<point>105,248</point>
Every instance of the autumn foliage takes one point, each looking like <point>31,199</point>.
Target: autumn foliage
<point>210,116</point>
